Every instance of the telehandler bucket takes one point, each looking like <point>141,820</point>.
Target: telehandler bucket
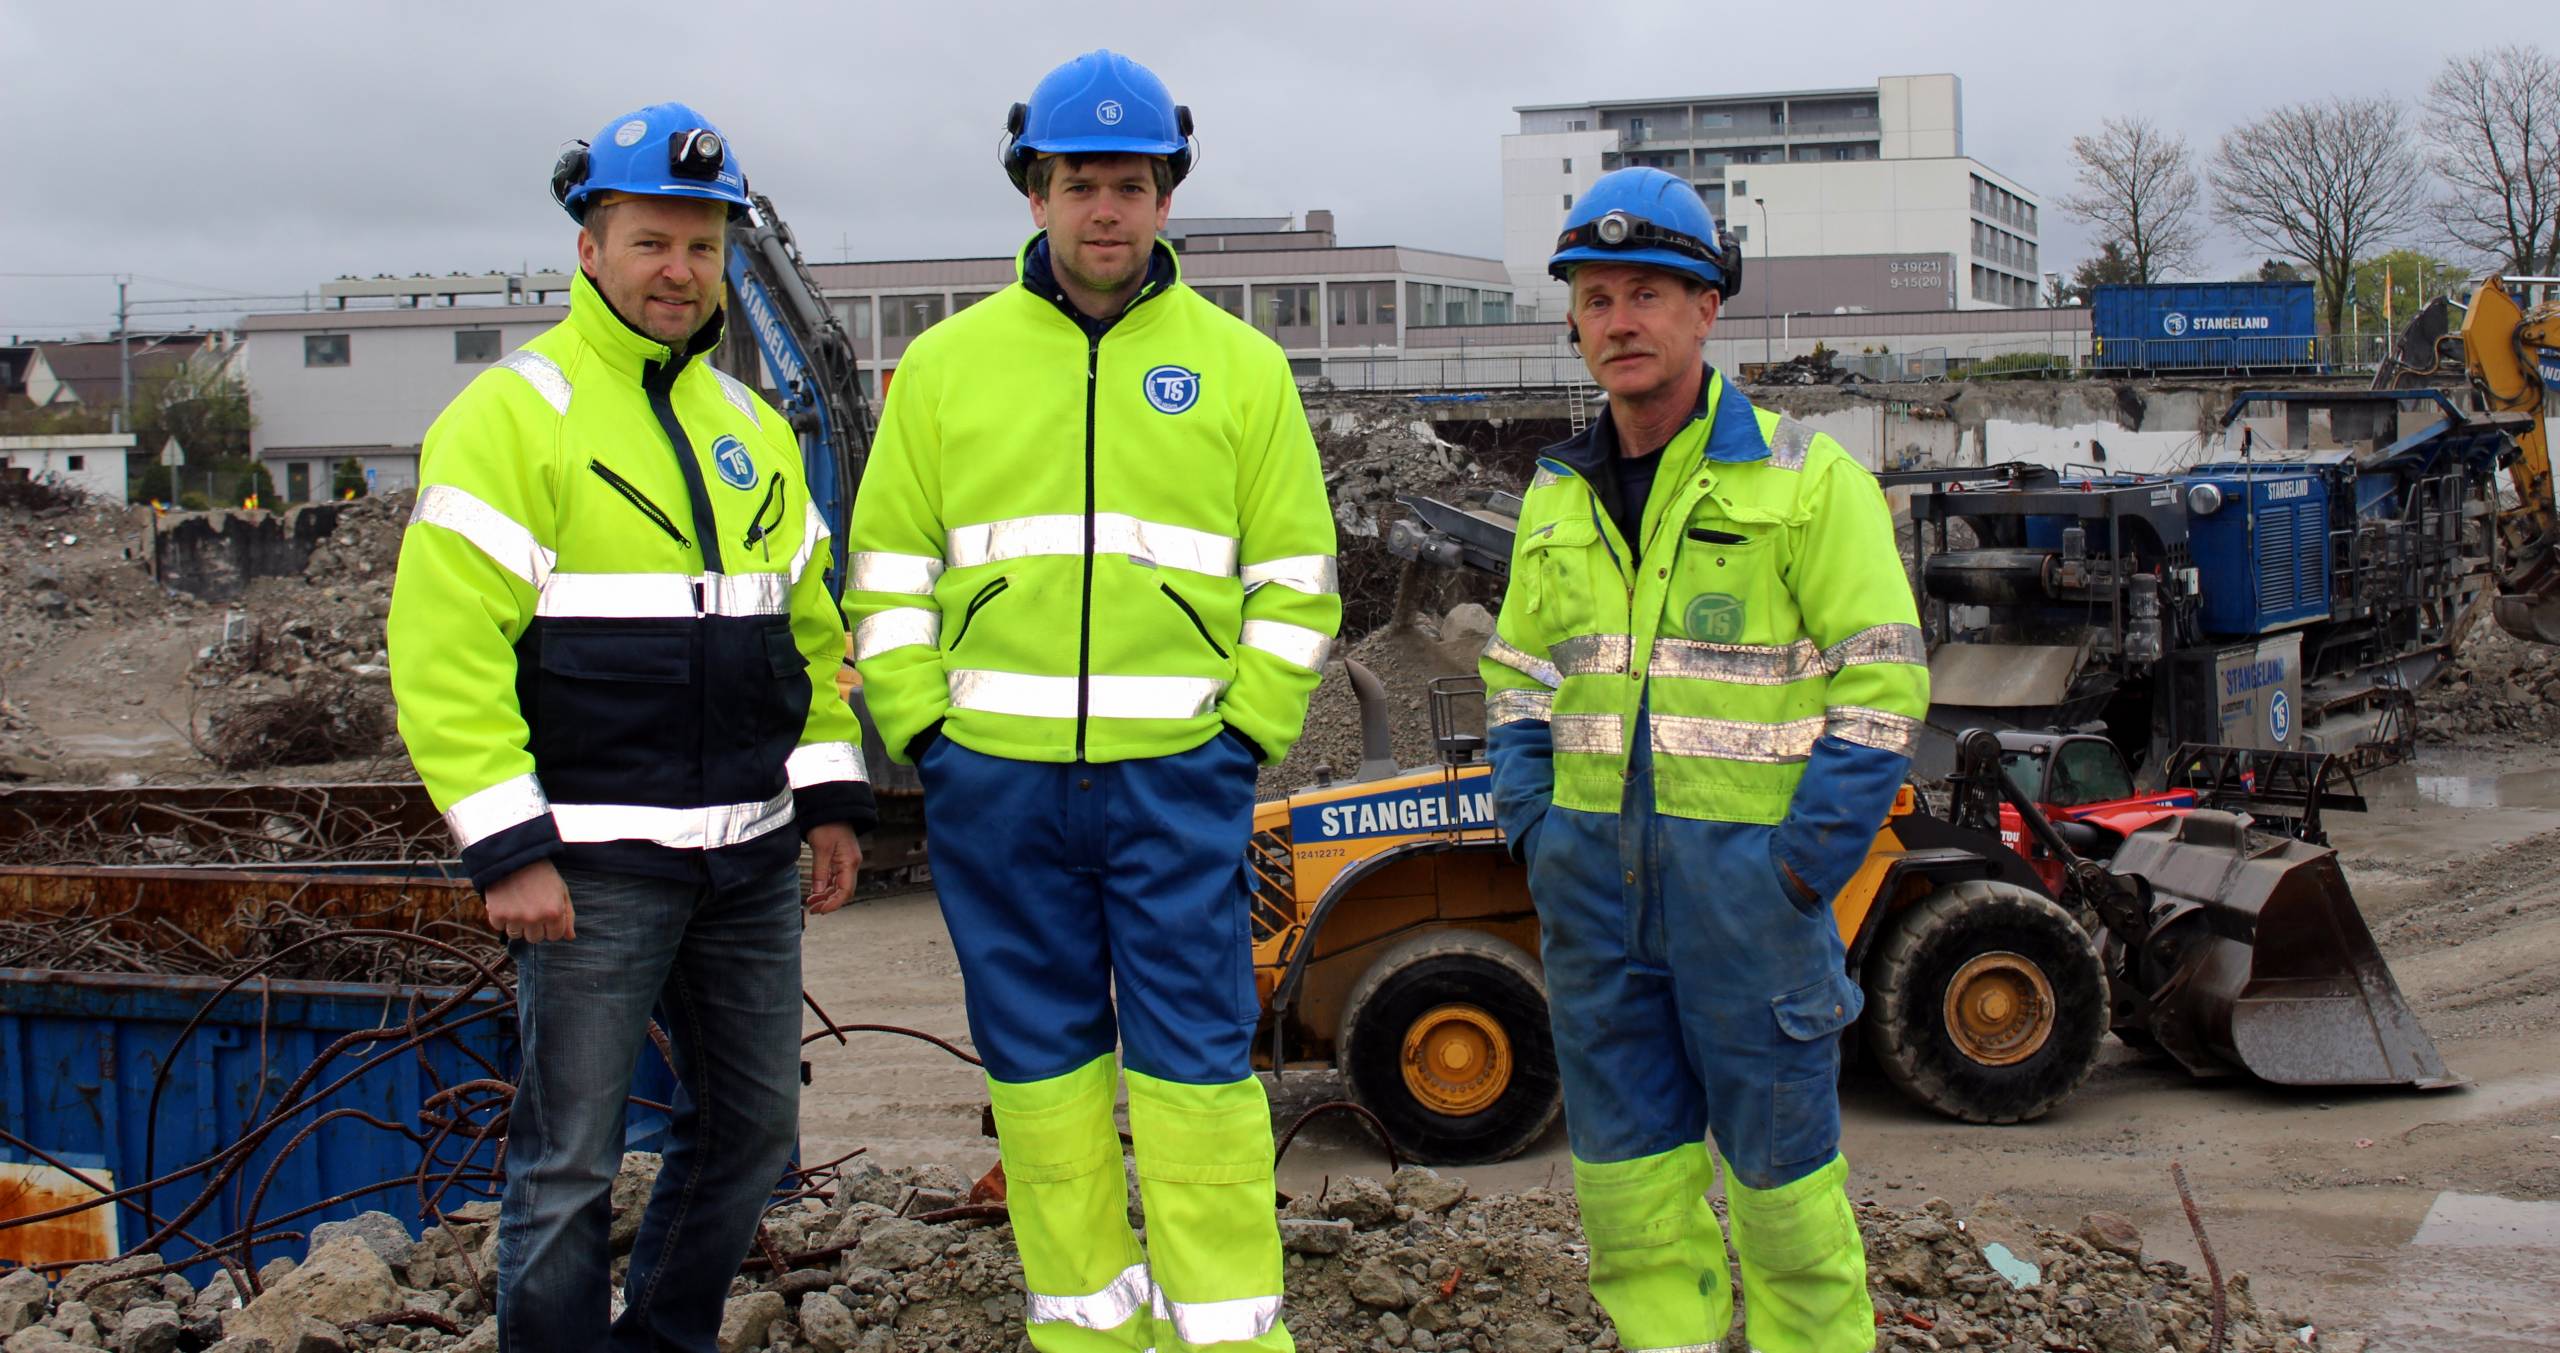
<point>2256,958</point>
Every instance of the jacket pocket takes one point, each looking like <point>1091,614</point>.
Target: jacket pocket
<point>1196,622</point>
<point>1560,565</point>
<point>632,494</point>
<point>609,710</point>
<point>1725,585</point>
<point>1804,1113</point>
<point>977,603</point>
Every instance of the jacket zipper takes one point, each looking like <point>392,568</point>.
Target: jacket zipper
<point>639,500</point>
<point>659,382</point>
<point>756,529</point>
<point>1084,613</point>
<point>985,594</point>
<point>1196,622</point>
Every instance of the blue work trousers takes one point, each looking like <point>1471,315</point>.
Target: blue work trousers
<point>1690,988</point>
<point>1067,884</point>
<point>721,968</point>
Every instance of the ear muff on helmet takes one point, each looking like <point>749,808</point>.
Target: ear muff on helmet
<point>567,173</point>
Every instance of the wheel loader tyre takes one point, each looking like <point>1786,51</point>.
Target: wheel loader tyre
<point>1986,1002</point>
<point>1446,1039</point>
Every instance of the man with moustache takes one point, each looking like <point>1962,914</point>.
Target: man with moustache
<point>1093,584</point>
<point>1701,697</point>
<point>614,657</point>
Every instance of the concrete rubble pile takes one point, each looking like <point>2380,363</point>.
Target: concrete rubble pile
<point>2499,689</point>
<point>71,568</point>
<point>1414,1263</point>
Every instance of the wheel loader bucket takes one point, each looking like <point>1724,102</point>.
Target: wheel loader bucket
<point>2257,960</point>
<point>2533,618</point>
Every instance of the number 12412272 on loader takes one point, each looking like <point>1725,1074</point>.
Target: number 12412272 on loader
<point>1998,941</point>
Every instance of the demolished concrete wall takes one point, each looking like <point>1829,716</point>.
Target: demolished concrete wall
<point>192,554</point>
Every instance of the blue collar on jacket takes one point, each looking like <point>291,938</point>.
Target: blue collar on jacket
<point>1735,436</point>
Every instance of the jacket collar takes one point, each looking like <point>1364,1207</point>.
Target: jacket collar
<point>1734,435</point>
<point>624,348</point>
<point>1032,268</point>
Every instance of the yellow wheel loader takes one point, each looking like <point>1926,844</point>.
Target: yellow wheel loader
<point>1395,939</point>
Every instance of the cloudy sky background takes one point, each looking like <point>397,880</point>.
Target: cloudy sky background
<point>260,149</point>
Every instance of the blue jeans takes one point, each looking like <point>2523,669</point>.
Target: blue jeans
<point>721,970</point>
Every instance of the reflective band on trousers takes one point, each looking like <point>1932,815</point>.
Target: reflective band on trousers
<point>543,374</point>
<point>475,818</point>
<point>1735,739</point>
<point>1109,1308</point>
<point>1592,654</point>
<point>895,628</point>
<point>707,828</point>
<point>1881,729</point>
<point>507,542</point>
<point>1741,664</point>
<point>1289,643</point>
<point>1588,734</point>
<point>662,596</point>
<point>817,763</point>
<point>879,571</point>
<point>1536,669</point>
<point>1314,574</point>
<point>1111,697</point>
<point>1113,533</point>
<point>1219,1322</point>
<point>1879,643</point>
<point>1504,707</point>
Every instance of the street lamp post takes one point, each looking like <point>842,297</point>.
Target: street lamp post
<point>1768,278</point>
<point>2052,298</point>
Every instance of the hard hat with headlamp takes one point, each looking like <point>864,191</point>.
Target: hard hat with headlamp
<point>1647,218</point>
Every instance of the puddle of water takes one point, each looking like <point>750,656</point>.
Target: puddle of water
<point>2478,1275</point>
<point>2520,789</point>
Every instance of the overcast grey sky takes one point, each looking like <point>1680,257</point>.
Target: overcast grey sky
<point>264,148</point>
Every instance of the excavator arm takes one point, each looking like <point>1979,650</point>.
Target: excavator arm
<point>2513,358</point>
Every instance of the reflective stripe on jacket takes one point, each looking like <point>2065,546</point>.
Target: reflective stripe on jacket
<point>1079,541</point>
<point>1764,627</point>
<point>610,633</point>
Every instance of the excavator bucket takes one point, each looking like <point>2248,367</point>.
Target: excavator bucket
<point>2534,618</point>
<point>2257,960</point>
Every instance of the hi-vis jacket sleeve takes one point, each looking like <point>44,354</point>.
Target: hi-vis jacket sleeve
<point>1848,582</point>
<point>829,783</point>
<point>471,564</point>
<point>1519,704</point>
<point>897,554</point>
<point>1292,605</point>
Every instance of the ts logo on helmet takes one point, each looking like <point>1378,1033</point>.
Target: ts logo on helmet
<point>1107,112</point>
<point>737,468</point>
<point>1172,389</point>
<point>629,133</point>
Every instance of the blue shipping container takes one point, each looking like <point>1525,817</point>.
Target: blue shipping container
<point>2211,326</point>
<point>80,1053</point>
<point>2263,552</point>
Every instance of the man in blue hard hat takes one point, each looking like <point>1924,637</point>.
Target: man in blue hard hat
<point>1093,580</point>
<point>614,656</point>
<point>1701,696</point>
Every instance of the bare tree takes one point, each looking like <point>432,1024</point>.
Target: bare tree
<point>2324,183</point>
<point>2493,120</point>
<point>2138,185</point>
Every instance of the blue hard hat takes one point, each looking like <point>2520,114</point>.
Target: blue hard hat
<point>663,150</point>
<point>1650,218</point>
<point>1101,103</point>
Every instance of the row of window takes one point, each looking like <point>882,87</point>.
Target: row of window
<point>2001,247</point>
<point>1998,203</point>
<point>1271,307</point>
<point>1999,288</point>
<point>472,347</point>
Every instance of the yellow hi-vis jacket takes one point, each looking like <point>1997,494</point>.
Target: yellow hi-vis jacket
<point>611,639</point>
<point>1764,628</point>
<point>1092,541</point>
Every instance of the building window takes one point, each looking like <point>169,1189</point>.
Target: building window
<point>1359,306</point>
<point>1229,299</point>
<point>1741,233</point>
<point>1579,124</point>
<point>1422,303</point>
<point>297,482</point>
<point>1497,308</point>
<point>962,300</point>
<point>855,315</point>
<point>1568,201</point>
<point>1287,312</point>
<point>76,463</point>
<point>1568,164</point>
<point>475,346</point>
<point>324,349</point>
<point>1741,187</point>
<point>908,316</point>
<point>1706,120</point>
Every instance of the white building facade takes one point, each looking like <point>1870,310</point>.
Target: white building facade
<point>92,462</point>
<point>1796,174</point>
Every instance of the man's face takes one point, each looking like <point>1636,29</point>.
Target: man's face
<point>1102,215</point>
<point>1640,328</point>
<point>659,260</point>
